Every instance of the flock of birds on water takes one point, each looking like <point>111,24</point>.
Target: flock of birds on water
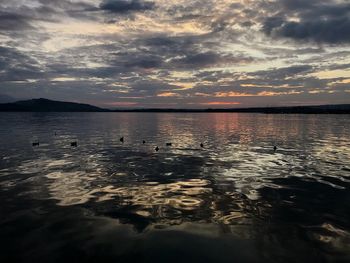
<point>168,144</point>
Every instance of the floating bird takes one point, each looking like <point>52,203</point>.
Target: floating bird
<point>55,133</point>
<point>168,144</point>
<point>274,148</point>
<point>202,145</point>
<point>143,142</point>
<point>74,144</point>
<point>35,144</point>
<point>121,139</point>
<point>157,149</point>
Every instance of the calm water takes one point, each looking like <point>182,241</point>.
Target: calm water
<point>235,200</point>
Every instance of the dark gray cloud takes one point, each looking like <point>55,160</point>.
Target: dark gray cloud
<point>282,73</point>
<point>22,17</point>
<point>335,30</point>
<point>16,66</point>
<point>317,21</point>
<point>186,52</point>
<point>11,21</point>
<point>146,63</point>
<point>125,6</point>
<point>208,59</point>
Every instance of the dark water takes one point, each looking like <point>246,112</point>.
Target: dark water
<point>235,200</point>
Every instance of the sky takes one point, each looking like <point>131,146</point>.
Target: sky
<point>176,53</point>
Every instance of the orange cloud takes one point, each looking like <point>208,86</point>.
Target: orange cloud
<point>122,103</point>
<point>260,94</point>
<point>269,93</point>
<point>287,86</point>
<point>168,94</point>
<point>232,94</point>
<point>220,103</point>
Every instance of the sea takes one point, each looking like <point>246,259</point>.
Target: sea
<point>221,192</point>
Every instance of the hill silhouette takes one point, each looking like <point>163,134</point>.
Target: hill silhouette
<point>45,105</point>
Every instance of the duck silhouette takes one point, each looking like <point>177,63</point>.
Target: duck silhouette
<point>202,145</point>
<point>121,139</point>
<point>156,149</point>
<point>275,148</point>
<point>74,144</point>
<point>143,142</point>
<point>168,144</point>
<point>35,144</point>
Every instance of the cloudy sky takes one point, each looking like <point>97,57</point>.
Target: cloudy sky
<point>176,53</point>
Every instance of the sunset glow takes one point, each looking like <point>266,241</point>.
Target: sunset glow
<point>176,53</point>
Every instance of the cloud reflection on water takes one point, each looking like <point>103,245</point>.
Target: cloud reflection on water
<point>236,183</point>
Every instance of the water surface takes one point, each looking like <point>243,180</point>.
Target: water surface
<point>235,200</point>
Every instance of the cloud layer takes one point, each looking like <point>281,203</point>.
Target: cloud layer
<point>200,53</point>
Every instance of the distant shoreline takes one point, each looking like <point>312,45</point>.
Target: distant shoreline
<point>45,105</point>
<point>334,112</point>
<point>273,110</point>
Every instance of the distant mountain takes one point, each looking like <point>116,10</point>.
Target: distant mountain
<point>6,99</point>
<point>45,105</point>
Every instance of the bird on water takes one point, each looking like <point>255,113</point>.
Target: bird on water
<point>121,139</point>
<point>35,144</point>
<point>168,144</point>
<point>74,144</point>
<point>157,149</point>
<point>202,145</point>
<point>143,142</point>
<point>275,148</point>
